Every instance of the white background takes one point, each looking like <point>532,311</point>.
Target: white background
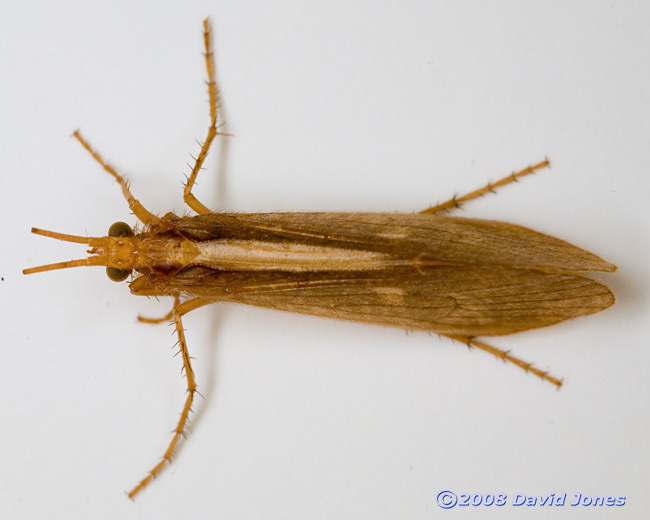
<point>340,105</point>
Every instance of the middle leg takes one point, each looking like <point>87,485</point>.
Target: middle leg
<point>178,312</point>
<point>213,93</point>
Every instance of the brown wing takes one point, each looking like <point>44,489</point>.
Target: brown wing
<point>468,301</point>
<point>433,238</point>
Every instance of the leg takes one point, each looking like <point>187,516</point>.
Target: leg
<point>213,92</point>
<point>456,202</point>
<point>502,354</point>
<point>138,209</point>
<point>166,317</point>
<point>178,312</point>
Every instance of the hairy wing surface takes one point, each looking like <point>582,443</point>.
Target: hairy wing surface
<point>470,301</point>
<point>428,238</point>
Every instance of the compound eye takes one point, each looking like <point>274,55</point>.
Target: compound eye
<point>120,229</point>
<point>117,275</point>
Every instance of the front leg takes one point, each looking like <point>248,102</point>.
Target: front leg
<point>166,317</point>
<point>145,216</point>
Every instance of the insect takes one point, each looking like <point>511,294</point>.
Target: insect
<point>459,277</point>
